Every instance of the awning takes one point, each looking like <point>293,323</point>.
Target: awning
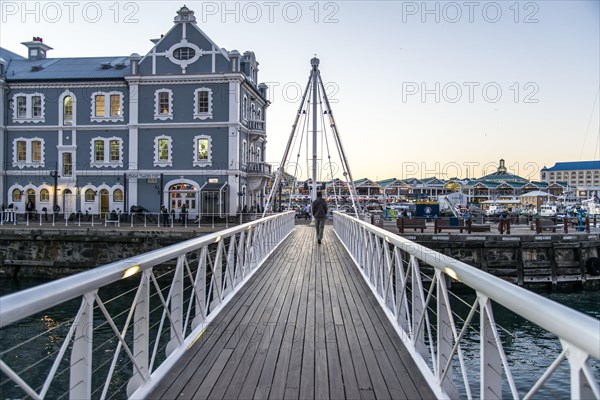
<point>213,187</point>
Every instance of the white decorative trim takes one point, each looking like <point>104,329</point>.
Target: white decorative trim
<point>203,115</point>
<point>28,159</point>
<point>184,63</point>
<point>245,108</point>
<point>163,163</point>
<point>107,162</point>
<point>202,163</point>
<point>29,108</point>
<point>107,117</point>
<point>157,113</point>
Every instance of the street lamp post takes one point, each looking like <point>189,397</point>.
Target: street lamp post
<point>54,174</point>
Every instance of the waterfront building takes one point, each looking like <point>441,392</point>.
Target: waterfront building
<point>182,125</point>
<point>582,176</point>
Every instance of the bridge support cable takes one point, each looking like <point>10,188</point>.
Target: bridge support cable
<point>338,141</point>
<point>317,96</point>
<point>284,159</point>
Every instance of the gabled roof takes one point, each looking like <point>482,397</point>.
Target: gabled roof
<point>387,182</point>
<point>68,68</point>
<point>8,55</point>
<point>574,166</point>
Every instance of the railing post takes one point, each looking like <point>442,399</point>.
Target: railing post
<point>200,288</point>
<point>445,336</point>
<point>176,306</point>
<point>581,387</point>
<point>418,309</point>
<point>141,334</point>
<point>491,362</point>
<point>81,355</point>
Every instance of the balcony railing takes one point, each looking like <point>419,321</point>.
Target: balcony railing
<point>261,168</point>
<point>256,125</point>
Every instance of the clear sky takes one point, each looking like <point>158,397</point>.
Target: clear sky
<point>418,88</point>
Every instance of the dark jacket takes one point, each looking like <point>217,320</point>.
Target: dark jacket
<point>319,208</point>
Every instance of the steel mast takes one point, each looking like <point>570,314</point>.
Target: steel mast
<point>315,83</point>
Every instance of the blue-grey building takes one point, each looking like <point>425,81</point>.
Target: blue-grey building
<point>184,124</point>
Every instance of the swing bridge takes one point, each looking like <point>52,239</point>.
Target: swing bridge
<point>260,310</point>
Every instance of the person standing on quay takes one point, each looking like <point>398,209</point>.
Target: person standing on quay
<point>319,212</point>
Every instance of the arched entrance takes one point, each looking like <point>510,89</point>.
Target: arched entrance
<point>68,202</point>
<point>104,201</point>
<point>30,198</point>
<point>183,193</point>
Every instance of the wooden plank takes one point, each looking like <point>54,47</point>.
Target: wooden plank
<point>334,368</point>
<point>258,382</point>
<point>307,375</point>
<point>278,385</point>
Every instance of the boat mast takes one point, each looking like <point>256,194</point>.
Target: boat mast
<point>315,65</point>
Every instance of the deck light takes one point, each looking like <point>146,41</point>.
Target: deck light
<point>217,239</point>
<point>131,271</point>
<point>451,273</point>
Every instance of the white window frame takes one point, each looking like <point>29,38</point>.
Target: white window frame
<point>107,117</point>
<point>244,153</point>
<point>107,162</point>
<point>29,108</point>
<point>202,163</point>
<point>204,115</point>
<point>28,155</point>
<point>258,154</point>
<point>157,113</point>
<point>245,108</point>
<point>157,161</point>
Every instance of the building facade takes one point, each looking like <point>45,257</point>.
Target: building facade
<point>582,176</point>
<point>184,124</point>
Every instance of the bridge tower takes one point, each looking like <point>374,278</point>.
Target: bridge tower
<point>319,106</point>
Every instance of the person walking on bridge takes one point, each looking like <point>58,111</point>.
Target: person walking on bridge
<point>319,212</point>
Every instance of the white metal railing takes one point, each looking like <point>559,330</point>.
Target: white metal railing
<point>411,283</point>
<point>115,220</point>
<point>174,294</point>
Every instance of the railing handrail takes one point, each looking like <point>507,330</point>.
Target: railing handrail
<point>550,315</point>
<point>16,306</point>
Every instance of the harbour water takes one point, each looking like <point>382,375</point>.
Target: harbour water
<point>529,349</point>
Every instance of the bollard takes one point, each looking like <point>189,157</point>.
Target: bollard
<point>538,227</point>
<point>587,224</point>
<point>565,225</point>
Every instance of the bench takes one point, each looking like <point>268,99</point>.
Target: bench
<point>540,225</point>
<point>405,223</point>
<point>443,223</point>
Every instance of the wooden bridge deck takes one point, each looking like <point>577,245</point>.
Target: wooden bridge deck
<point>305,326</point>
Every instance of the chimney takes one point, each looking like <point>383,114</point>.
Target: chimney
<point>135,62</point>
<point>36,49</point>
<point>234,56</point>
